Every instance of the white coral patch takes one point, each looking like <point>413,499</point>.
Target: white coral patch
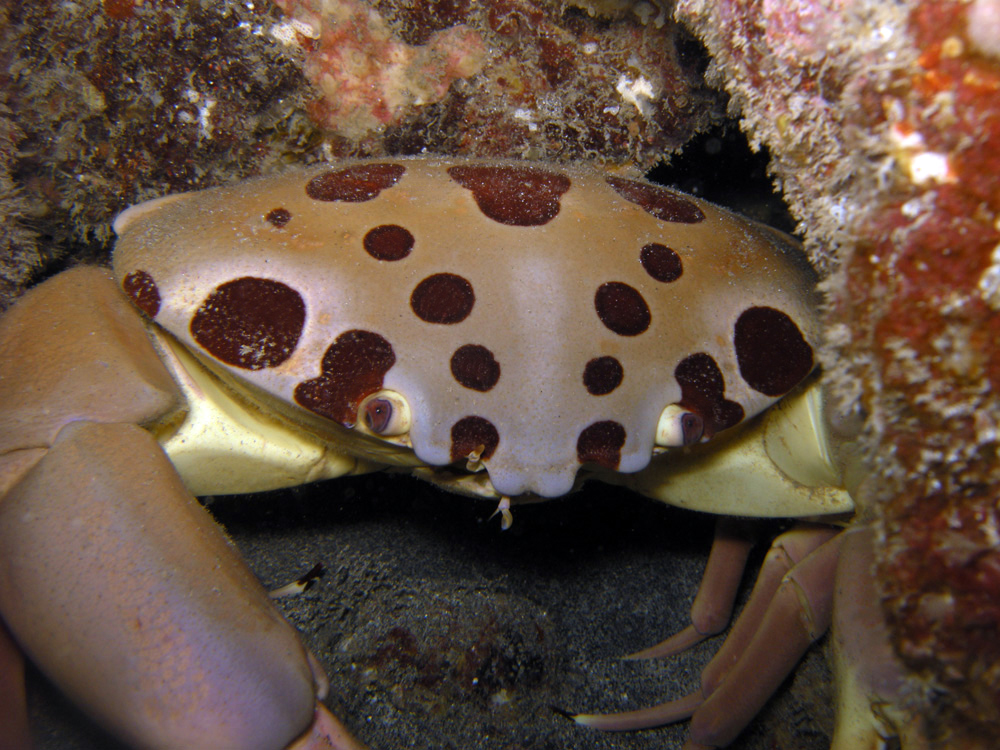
<point>639,92</point>
<point>205,106</point>
<point>922,165</point>
<point>288,32</point>
<point>930,166</point>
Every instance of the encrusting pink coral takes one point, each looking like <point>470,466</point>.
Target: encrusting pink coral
<point>365,75</point>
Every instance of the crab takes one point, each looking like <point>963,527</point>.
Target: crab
<point>505,330</point>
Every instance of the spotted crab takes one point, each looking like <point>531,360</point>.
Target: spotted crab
<point>556,324</point>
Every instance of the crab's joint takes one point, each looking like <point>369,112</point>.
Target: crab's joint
<point>300,585</point>
<point>506,517</point>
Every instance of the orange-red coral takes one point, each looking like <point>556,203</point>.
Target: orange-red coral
<point>934,330</point>
<point>884,119</point>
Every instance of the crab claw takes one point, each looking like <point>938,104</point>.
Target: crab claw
<point>140,609</point>
<point>114,580</point>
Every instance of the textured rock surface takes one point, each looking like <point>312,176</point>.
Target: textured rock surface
<point>883,119</point>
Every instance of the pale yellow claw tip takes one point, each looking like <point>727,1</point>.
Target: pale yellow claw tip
<point>321,683</point>
<point>644,718</point>
<point>675,644</point>
<point>326,733</point>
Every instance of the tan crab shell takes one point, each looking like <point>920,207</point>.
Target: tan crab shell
<point>322,285</point>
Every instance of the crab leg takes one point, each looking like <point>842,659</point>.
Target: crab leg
<point>114,580</point>
<point>140,609</point>
<point>325,733</point>
<point>799,614</point>
<point>713,604</point>
<point>789,608</point>
<point>874,701</point>
<point>786,553</point>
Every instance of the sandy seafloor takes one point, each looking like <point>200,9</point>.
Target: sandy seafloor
<point>440,631</point>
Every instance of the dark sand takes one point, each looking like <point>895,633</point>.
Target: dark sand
<point>440,631</point>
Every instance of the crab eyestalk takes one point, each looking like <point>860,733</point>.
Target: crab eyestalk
<point>678,427</point>
<point>385,413</point>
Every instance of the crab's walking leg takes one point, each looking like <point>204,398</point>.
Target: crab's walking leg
<point>789,608</point>
<point>787,552</point>
<point>713,605</point>
<point>871,687</point>
<point>799,613</point>
<point>113,579</point>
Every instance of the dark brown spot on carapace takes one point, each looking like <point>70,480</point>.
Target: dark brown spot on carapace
<point>473,436</point>
<point>356,184</point>
<point>621,308</point>
<point>602,375</point>
<point>388,242</point>
<point>703,391</point>
<point>278,217</point>
<point>601,443</point>
<point>664,204</point>
<point>517,196</point>
<point>250,322</point>
<point>661,262</point>
<point>475,367</point>
<point>772,353</point>
<point>353,368</point>
<point>143,291</point>
<point>444,298</point>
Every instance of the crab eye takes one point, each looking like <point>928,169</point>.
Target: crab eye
<point>678,427</point>
<point>385,413</point>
